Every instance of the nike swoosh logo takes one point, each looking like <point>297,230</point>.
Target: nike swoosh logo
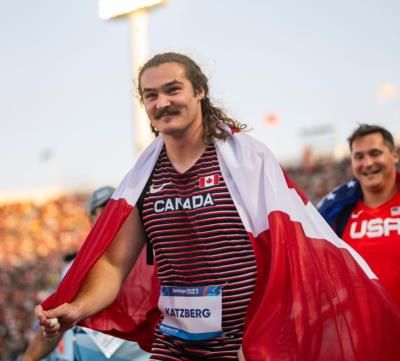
<point>154,189</point>
<point>355,215</point>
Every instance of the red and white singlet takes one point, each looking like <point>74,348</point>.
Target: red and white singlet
<point>199,240</point>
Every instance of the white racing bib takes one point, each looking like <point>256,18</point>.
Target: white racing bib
<point>191,313</point>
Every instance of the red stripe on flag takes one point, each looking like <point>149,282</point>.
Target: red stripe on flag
<point>313,302</point>
<point>291,185</point>
<point>134,314</point>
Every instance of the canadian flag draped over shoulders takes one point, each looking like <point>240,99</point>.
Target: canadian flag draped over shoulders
<point>315,298</point>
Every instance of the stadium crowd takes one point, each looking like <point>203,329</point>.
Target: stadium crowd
<point>33,240</point>
<point>317,178</point>
<point>35,237</point>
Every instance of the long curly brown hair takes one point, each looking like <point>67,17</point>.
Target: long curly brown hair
<point>212,116</point>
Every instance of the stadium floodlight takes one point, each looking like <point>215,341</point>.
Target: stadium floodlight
<point>136,11</point>
<point>109,9</point>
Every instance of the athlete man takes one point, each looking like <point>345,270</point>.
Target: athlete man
<point>245,266</point>
<point>365,212</point>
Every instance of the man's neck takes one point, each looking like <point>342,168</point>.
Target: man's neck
<point>185,150</point>
<point>376,199</point>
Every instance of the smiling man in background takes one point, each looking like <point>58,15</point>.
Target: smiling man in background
<point>365,212</point>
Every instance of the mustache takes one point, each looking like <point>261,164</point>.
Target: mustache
<point>168,110</point>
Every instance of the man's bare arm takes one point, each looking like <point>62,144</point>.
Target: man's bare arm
<point>241,354</point>
<point>102,283</point>
<point>40,346</point>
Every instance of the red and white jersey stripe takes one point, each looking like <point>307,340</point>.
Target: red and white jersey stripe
<point>199,239</point>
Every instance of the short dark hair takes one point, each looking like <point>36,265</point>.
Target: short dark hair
<point>366,129</point>
<point>212,115</point>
